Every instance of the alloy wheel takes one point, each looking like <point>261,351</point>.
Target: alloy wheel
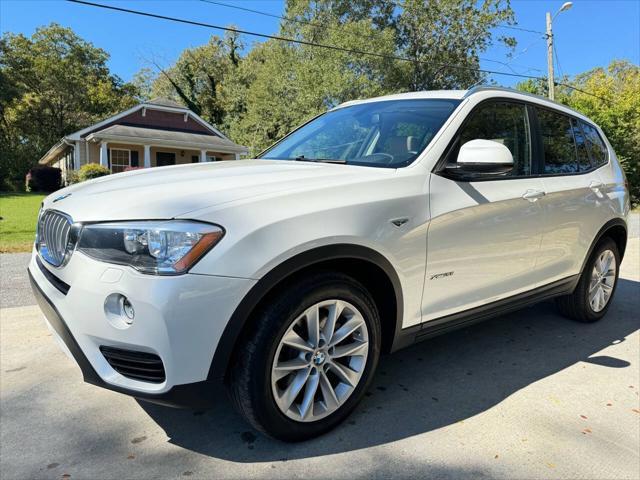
<point>320,360</point>
<point>603,278</point>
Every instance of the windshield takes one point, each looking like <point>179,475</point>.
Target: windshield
<point>388,133</point>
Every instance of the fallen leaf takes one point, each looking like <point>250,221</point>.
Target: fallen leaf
<point>635,410</point>
<point>131,457</point>
<point>583,416</point>
<point>496,456</point>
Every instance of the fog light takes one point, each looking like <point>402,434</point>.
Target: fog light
<point>127,310</point>
<point>119,310</point>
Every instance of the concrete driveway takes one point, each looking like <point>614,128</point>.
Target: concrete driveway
<point>527,395</point>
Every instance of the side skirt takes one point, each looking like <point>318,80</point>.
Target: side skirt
<point>438,326</point>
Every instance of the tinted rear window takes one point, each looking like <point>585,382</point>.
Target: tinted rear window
<point>560,154</point>
<point>596,145</point>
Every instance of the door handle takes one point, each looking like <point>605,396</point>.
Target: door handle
<point>533,195</point>
<point>596,186</point>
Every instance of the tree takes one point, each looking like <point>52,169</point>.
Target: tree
<point>197,78</point>
<point>52,84</point>
<point>259,97</point>
<point>611,98</point>
<point>616,109</point>
<point>284,84</point>
<point>442,39</point>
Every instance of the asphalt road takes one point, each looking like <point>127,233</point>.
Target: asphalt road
<point>14,283</point>
<point>527,395</point>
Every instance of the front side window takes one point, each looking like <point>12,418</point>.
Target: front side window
<point>120,160</point>
<point>596,145</point>
<point>381,134</point>
<point>502,122</point>
<point>560,154</point>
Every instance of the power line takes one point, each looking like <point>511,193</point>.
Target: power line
<point>605,100</point>
<point>399,4</point>
<point>513,27</point>
<point>555,53</point>
<point>312,44</point>
<point>291,40</point>
<point>260,12</point>
<point>273,15</point>
<point>318,25</point>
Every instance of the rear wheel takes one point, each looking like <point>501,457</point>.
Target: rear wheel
<point>310,358</point>
<point>592,296</point>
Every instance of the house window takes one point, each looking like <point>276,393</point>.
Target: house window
<point>212,158</point>
<point>120,159</point>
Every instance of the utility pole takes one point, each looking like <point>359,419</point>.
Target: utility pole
<point>550,77</point>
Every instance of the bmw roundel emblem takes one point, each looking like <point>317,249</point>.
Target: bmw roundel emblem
<point>61,197</point>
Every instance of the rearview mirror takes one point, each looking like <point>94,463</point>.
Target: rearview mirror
<point>483,157</point>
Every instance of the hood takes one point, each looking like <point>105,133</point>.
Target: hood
<point>168,192</point>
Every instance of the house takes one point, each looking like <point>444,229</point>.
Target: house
<point>152,134</point>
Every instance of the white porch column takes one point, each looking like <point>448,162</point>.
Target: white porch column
<point>237,156</point>
<point>76,156</point>
<point>203,156</point>
<point>104,159</point>
<point>147,156</point>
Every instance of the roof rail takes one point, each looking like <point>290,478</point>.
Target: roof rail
<point>482,88</point>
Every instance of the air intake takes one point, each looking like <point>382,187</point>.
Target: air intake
<point>141,366</point>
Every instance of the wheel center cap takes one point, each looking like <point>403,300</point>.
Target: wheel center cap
<point>319,358</point>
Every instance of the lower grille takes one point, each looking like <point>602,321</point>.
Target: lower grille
<point>142,366</point>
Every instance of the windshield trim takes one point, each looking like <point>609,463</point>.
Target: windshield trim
<point>455,102</point>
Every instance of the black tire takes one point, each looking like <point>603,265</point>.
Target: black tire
<point>250,379</point>
<point>576,306</point>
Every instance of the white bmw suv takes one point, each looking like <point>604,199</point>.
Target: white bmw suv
<point>375,225</point>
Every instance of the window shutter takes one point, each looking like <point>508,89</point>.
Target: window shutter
<point>134,158</point>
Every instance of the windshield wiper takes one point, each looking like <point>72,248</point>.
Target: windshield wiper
<point>302,158</point>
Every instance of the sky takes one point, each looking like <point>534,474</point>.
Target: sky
<point>590,34</point>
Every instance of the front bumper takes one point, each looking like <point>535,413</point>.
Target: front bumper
<point>180,319</point>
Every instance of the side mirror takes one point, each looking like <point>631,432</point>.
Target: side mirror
<point>482,157</point>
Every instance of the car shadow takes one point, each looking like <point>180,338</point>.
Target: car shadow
<point>429,385</point>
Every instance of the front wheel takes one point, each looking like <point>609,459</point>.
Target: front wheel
<point>309,360</point>
<point>594,292</point>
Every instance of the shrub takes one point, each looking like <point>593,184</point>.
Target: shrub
<point>72,177</point>
<point>92,170</point>
<point>43,179</point>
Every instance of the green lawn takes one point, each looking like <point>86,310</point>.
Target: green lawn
<point>19,212</point>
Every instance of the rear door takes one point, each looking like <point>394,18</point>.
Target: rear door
<point>485,234</point>
<point>575,197</point>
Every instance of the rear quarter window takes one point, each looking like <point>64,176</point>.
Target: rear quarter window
<point>596,145</point>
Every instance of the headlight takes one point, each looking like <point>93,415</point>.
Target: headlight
<point>157,247</point>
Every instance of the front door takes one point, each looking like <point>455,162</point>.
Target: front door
<point>484,235</point>
<point>165,158</point>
